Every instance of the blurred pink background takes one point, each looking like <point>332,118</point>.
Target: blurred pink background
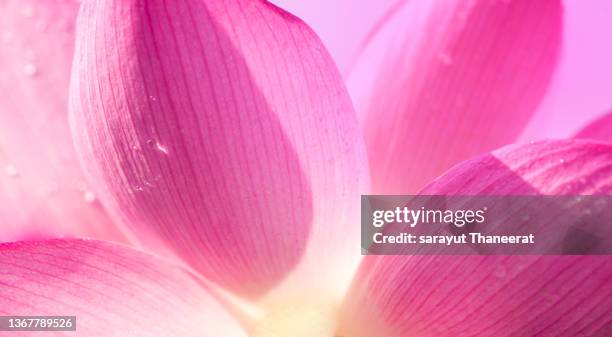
<point>581,90</point>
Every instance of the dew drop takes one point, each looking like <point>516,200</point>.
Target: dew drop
<point>11,170</point>
<point>153,98</point>
<point>562,161</point>
<point>148,184</point>
<point>157,146</point>
<point>89,197</point>
<point>30,69</point>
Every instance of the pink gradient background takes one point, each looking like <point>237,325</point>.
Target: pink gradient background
<point>581,88</point>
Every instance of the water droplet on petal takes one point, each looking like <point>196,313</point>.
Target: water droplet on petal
<point>157,146</point>
<point>30,69</point>
<point>153,98</point>
<point>11,170</point>
<point>89,197</point>
<point>561,160</point>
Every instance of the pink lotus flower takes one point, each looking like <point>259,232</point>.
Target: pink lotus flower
<point>219,135</point>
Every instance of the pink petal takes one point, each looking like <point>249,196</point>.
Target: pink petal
<point>111,289</point>
<point>600,129</point>
<point>42,190</point>
<point>481,296</point>
<point>495,295</point>
<point>223,130</point>
<point>444,81</point>
<point>553,167</point>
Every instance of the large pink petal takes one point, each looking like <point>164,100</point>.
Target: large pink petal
<point>495,295</point>
<point>42,189</point>
<point>600,129</point>
<point>446,80</point>
<point>112,290</point>
<point>222,129</point>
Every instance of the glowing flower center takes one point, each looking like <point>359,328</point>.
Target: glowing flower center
<point>309,321</point>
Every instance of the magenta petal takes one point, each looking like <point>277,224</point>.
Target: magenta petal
<point>42,190</point>
<point>447,80</point>
<point>558,167</point>
<point>111,289</point>
<point>460,296</point>
<point>222,129</point>
<point>495,295</point>
<point>600,129</point>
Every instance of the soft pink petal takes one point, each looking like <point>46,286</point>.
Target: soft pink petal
<point>111,289</point>
<point>446,80</point>
<point>42,190</point>
<point>222,129</point>
<point>495,295</point>
<point>600,129</point>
